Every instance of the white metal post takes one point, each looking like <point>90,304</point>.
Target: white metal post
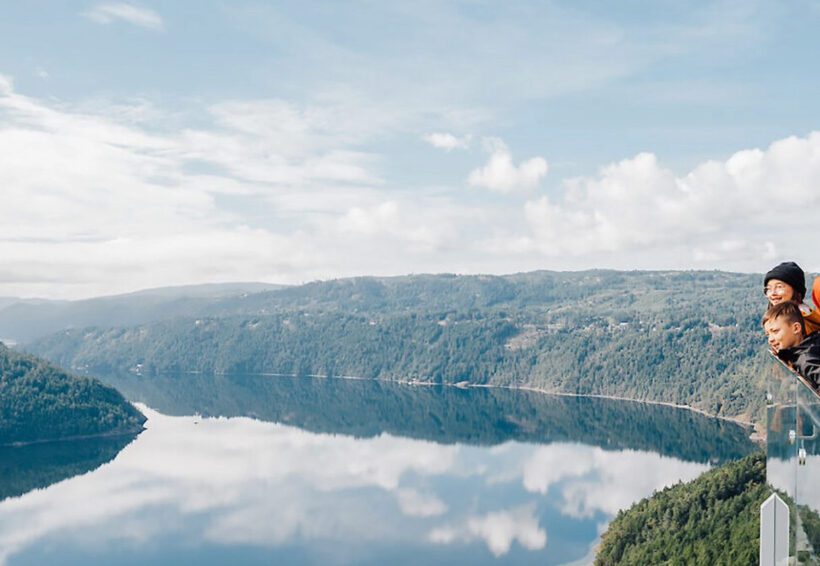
<point>774,532</point>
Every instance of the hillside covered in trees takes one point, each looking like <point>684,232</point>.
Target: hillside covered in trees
<point>711,520</point>
<point>38,402</point>
<point>690,338</point>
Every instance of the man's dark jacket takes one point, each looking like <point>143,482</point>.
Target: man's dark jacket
<point>805,358</point>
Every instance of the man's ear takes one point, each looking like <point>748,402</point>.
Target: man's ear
<point>796,328</point>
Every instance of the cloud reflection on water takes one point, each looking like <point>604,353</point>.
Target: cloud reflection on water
<point>498,530</point>
<point>594,480</point>
<point>239,481</point>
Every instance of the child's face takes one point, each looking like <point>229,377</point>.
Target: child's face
<point>781,334</point>
<point>778,291</point>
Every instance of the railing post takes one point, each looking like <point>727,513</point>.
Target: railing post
<point>774,532</point>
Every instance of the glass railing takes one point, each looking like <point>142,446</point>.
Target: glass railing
<point>793,459</point>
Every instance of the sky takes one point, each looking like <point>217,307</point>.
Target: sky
<point>170,143</point>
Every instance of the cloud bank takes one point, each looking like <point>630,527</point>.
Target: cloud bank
<point>116,197</point>
<point>748,206</point>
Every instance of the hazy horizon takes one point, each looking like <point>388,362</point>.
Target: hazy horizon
<point>216,284</point>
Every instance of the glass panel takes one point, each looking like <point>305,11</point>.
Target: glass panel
<point>782,440</point>
<point>807,443</point>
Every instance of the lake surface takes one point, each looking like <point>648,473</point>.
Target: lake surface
<point>272,470</point>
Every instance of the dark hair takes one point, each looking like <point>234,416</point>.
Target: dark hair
<point>788,310</point>
<point>790,273</point>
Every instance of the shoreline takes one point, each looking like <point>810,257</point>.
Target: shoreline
<point>757,435</point>
<point>112,434</point>
<point>738,421</point>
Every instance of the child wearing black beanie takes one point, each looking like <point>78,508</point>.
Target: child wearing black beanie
<point>787,282</point>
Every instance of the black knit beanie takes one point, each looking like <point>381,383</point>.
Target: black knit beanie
<point>788,272</point>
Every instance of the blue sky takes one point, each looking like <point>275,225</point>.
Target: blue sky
<point>161,143</point>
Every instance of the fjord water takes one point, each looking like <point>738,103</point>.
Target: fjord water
<point>263,469</point>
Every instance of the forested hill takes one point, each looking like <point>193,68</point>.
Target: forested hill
<point>711,520</point>
<point>41,402</point>
<point>683,337</point>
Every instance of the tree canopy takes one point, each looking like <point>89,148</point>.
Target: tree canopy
<point>39,401</point>
<point>715,519</point>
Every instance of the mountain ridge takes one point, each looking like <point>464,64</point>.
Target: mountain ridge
<point>689,338</point>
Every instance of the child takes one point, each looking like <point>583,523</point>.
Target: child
<point>784,326</point>
<point>787,282</point>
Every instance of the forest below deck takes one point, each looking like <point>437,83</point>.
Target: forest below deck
<point>689,338</point>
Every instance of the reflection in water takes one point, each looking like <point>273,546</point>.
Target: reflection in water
<point>189,485</point>
<point>23,468</point>
<point>374,473</point>
<point>442,414</point>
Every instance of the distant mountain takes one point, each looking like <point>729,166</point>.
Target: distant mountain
<point>712,520</point>
<point>690,338</point>
<point>25,320</point>
<point>39,401</point>
<point>210,290</point>
<point>8,301</point>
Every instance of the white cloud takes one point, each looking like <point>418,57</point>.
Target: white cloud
<point>262,190</point>
<point>413,503</point>
<point>502,175</point>
<point>111,12</point>
<point>593,480</point>
<point>120,208</point>
<point>6,85</point>
<point>739,210</point>
<point>498,529</point>
<point>447,141</point>
<point>554,463</point>
<point>616,488</point>
<point>382,217</point>
<point>780,475</point>
<point>276,191</point>
<point>423,230</point>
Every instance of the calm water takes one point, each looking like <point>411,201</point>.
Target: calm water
<point>264,470</point>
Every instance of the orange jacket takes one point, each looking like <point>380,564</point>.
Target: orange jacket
<point>815,292</point>
<point>812,318</point>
